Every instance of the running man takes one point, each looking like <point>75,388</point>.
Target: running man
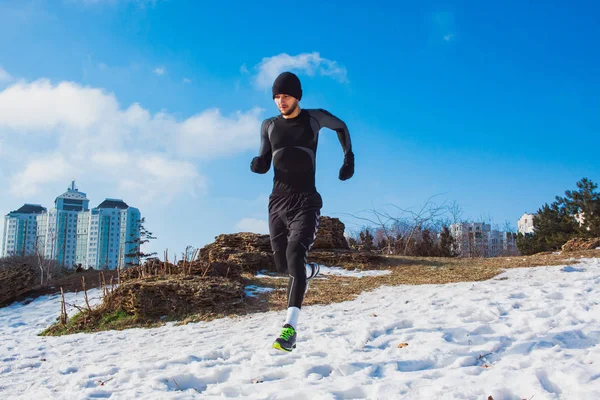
<point>290,140</point>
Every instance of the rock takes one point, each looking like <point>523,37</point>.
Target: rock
<point>330,234</point>
<point>237,253</point>
<point>581,244</point>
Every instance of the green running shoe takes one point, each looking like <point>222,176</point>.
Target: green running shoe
<point>286,340</point>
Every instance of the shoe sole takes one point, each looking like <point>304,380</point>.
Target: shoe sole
<point>277,346</point>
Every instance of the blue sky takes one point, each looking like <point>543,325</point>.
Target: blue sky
<point>494,106</point>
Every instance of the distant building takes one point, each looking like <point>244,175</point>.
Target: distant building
<point>477,239</point>
<point>20,230</point>
<point>113,227</point>
<point>66,228</point>
<point>72,234</point>
<point>525,224</point>
<point>508,243</point>
<point>471,239</point>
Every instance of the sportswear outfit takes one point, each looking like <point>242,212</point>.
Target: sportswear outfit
<point>290,144</point>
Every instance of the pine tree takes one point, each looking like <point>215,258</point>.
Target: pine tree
<point>585,203</point>
<point>426,247</point>
<point>366,239</point>
<point>446,243</point>
<point>553,225</point>
<point>137,254</point>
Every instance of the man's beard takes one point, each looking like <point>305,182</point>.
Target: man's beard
<point>291,109</point>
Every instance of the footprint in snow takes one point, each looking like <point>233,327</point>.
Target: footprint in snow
<point>197,383</point>
<point>519,295</point>
<point>100,394</point>
<point>322,370</point>
<point>70,370</point>
<point>355,392</point>
<point>546,383</point>
<point>542,314</point>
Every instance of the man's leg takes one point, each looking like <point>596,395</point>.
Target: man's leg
<point>303,216</point>
<point>278,232</point>
<point>303,228</point>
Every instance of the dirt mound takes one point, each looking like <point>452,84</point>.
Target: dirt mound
<point>330,234</point>
<point>16,280</point>
<point>154,297</point>
<point>232,254</point>
<point>581,244</point>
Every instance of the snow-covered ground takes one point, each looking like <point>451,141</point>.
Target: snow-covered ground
<point>530,333</point>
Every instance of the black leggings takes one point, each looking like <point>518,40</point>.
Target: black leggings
<point>293,225</point>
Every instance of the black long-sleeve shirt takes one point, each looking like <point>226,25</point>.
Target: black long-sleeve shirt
<point>292,146</point>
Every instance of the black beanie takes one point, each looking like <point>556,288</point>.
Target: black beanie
<point>287,83</point>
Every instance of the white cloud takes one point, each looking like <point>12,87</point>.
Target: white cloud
<point>308,63</point>
<point>109,159</point>
<point>49,168</point>
<point>253,225</point>
<point>86,134</point>
<point>187,80</point>
<point>42,106</point>
<point>4,76</point>
<point>449,37</point>
<point>160,71</point>
<point>211,134</point>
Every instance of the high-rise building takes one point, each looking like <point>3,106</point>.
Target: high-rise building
<point>66,227</point>
<point>21,229</point>
<point>104,237</point>
<point>114,228</point>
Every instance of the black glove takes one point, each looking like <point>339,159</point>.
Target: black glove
<point>258,165</point>
<point>254,164</point>
<point>347,170</point>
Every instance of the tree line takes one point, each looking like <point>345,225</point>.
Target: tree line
<point>426,232</point>
<point>576,215</point>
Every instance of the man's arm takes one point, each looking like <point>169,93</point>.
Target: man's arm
<point>332,122</point>
<point>262,163</point>
<point>328,120</point>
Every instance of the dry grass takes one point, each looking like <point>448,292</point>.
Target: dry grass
<point>405,271</point>
<point>334,289</point>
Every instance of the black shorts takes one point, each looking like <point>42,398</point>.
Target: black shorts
<point>293,226</point>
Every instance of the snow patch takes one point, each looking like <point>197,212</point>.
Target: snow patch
<point>351,273</point>
<point>253,290</point>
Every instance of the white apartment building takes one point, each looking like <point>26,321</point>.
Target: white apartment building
<point>62,230</point>
<point>113,228</point>
<point>471,239</point>
<point>72,234</point>
<point>20,230</point>
<point>477,239</point>
<point>525,224</point>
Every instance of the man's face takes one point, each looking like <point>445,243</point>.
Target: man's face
<point>286,103</point>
